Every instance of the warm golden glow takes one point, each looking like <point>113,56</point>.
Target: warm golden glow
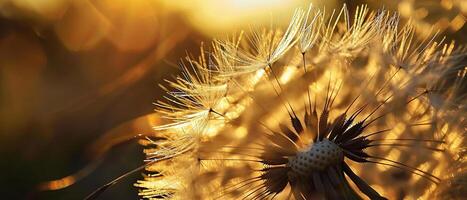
<point>218,17</point>
<point>383,83</point>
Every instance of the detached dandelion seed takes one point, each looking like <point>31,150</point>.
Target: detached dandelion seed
<point>359,122</point>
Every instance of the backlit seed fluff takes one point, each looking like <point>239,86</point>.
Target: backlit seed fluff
<point>333,107</point>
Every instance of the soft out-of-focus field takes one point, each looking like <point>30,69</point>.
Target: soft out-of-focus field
<point>72,72</point>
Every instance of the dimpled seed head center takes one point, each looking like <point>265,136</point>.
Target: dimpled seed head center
<point>318,157</point>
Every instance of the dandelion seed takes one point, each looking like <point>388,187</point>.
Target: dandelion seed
<point>357,35</point>
<point>198,93</point>
<point>310,31</point>
<point>265,48</point>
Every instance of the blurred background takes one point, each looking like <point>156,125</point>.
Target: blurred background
<point>78,78</point>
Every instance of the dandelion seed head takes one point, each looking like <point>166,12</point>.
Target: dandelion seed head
<point>334,107</point>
